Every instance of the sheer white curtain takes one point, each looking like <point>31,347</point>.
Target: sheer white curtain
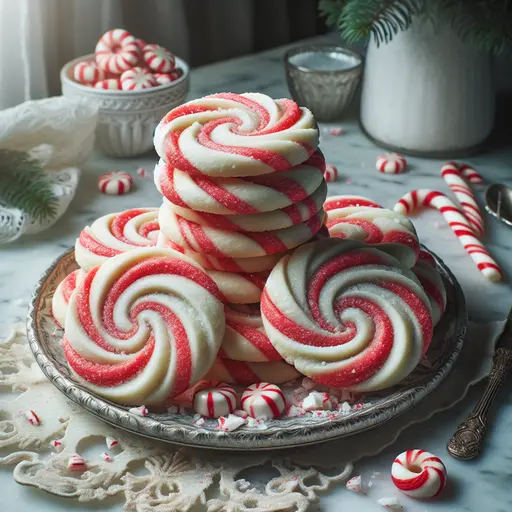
<point>37,37</point>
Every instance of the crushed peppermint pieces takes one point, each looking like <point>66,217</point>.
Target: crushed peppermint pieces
<point>230,422</point>
<point>355,485</point>
<point>106,457</point>
<point>32,418</point>
<point>391,502</point>
<point>111,442</point>
<point>139,411</point>
<point>76,463</point>
<point>57,444</point>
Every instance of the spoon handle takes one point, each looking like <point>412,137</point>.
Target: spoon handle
<point>467,440</point>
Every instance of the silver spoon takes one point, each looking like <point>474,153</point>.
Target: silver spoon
<point>498,202</point>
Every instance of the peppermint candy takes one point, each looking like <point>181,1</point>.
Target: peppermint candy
<point>231,422</point>
<point>32,418</point>
<point>87,72</point>
<point>416,200</point>
<point>310,317</point>
<point>111,442</point>
<point>263,401</point>
<point>355,485</point>
<point>419,474</point>
<point>113,84</point>
<point>76,463</point>
<point>317,401</point>
<point>391,163</point>
<point>181,341</point>
<point>117,51</point>
<point>158,58</point>
<point>215,402</point>
<point>139,411</point>
<point>115,183</point>
<point>137,79</point>
<point>331,173</point>
<point>454,177</point>
<point>168,78</point>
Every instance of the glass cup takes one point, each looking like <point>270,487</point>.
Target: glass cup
<point>323,78</point>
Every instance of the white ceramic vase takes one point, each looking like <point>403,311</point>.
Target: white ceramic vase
<point>428,93</point>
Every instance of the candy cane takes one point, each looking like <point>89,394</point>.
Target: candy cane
<point>418,199</point>
<point>470,174</point>
<point>453,177</point>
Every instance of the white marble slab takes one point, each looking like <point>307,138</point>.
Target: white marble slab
<point>475,486</point>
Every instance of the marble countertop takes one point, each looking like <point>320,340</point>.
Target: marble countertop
<point>475,486</point>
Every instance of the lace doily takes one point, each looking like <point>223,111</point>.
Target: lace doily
<point>159,477</point>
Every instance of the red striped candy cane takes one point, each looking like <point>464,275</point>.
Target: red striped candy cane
<point>418,199</point>
<point>470,174</point>
<point>453,177</point>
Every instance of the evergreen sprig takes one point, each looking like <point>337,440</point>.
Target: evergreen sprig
<point>488,23</point>
<point>24,186</point>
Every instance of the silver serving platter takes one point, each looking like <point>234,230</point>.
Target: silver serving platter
<point>44,339</point>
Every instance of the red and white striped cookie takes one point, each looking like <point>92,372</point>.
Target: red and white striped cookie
<point>137,79</point>
<point>417,200</point>
<point>267,221</point>
<point>115,183</point>
<point>215,402</point>
<point>230,244</point>
<point>168,78</point>
<point>392,231</point>
<point>116,51</point>
<point>391,163</point>
<point>245,338</point>
<point>237,196</point>
<point>87,72</point>
<point>429,277</point>
<point>453,177</point>
<point>144,326</point>
<point>116,233</point>
<point>235,265</point>
<point>330,173</point>
<point>244,374</point>
<point>113,84</point>
<point>239,288</point>
<point>419,474</point>
<point>347,315</point>
<point>263,401</point>
<point>346,201</point>
<point>158,58</point>
<point>60,299</point>
<point>228,134</point>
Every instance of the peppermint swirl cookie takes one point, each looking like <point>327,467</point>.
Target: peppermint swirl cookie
<point>356,219</point>
<point>347,315</point>
<point>245,338</point>
<point>222,263</point>
<point>240,196</point>
<point>144,326</point>
<point>228,134</point>
<point>245,374</point>
<point>229,244</point>
<point>116,233</point>
<point>62,296</point>
<point>429,277</point>
<point>266,221</point>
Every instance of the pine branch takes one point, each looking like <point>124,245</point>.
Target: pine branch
<point>23,186</point>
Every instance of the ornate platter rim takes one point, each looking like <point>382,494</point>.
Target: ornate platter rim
<point>299,431</point>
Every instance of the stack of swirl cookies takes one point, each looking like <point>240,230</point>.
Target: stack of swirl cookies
<point>242,181</point>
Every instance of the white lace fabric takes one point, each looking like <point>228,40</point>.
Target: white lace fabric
<point>58,132</point>
<point>183,479</point>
